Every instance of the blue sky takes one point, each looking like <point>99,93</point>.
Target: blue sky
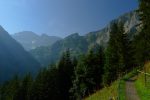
<point>61,17</point>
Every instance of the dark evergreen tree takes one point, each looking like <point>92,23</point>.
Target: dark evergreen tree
<point>111,61</point>
<point>46,85</point>
<point>88,74</point>
<point>24,90</point>
<point>9,89</point>
<point>124,50</point>
<point>65,71</point>
<point>37,90</point>
<point>52,84</point>
<point>142,41</point>
<point>118,54</point>
<point>99,60</point>
<point>79,89</point>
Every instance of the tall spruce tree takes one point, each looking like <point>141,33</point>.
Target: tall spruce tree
<point>65,72</point>
<point>142,41</point>
<point>88,74</point>
<point>38,88</point>
<point>46,85</point>
<point>52,84</point>
<point>117,54</point>
<point>124,50</point>
<point>9,89</point>
<point>24,90</point>
<point>111,61</point>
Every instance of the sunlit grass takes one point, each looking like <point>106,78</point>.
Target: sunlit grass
<point>121,93</point>
<point>142,88</point>
<point>105,93</point>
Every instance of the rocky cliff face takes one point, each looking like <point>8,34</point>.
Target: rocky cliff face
<point>130,21</point>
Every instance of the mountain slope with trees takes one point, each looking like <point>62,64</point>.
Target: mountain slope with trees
<point>14,59</point>
<point>80,44</point>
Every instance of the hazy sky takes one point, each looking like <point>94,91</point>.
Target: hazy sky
<point>61,17</point>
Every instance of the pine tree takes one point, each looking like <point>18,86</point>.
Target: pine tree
<point>46,85</point>
<point>37,89</point>
<point>124,50</point>
<point>9,89</point>
<point>65,71</point>
<point>111,61</point>
<point>142,41</point>
<point>88,74</point>
<point>24,91</point>
<point>79,89</point>
<point>99,60</point>
<point>52,84</point>
<point>117,54</point>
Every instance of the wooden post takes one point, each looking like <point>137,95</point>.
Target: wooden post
<point>145,76</point>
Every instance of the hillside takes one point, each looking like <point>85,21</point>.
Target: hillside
<point>105,93</point>
<point>142,89</point>
<point>30,40</point>
<point>14,59</point>
<point>81,44</point>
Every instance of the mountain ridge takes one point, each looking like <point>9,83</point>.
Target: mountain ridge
<point>30,40</point>
<point>81,44</point>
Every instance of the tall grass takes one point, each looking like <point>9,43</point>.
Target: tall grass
<point>142,89</point>
<point>121,90</point>
<point>105,93</point>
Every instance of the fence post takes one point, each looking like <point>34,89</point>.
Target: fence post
<point>145,76</point>
<point>118,91</point>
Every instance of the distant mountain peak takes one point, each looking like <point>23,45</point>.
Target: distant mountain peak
<point>26,33</point>
<point>44,35</point>
<point>31,40</point>
<point>74,35</point>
